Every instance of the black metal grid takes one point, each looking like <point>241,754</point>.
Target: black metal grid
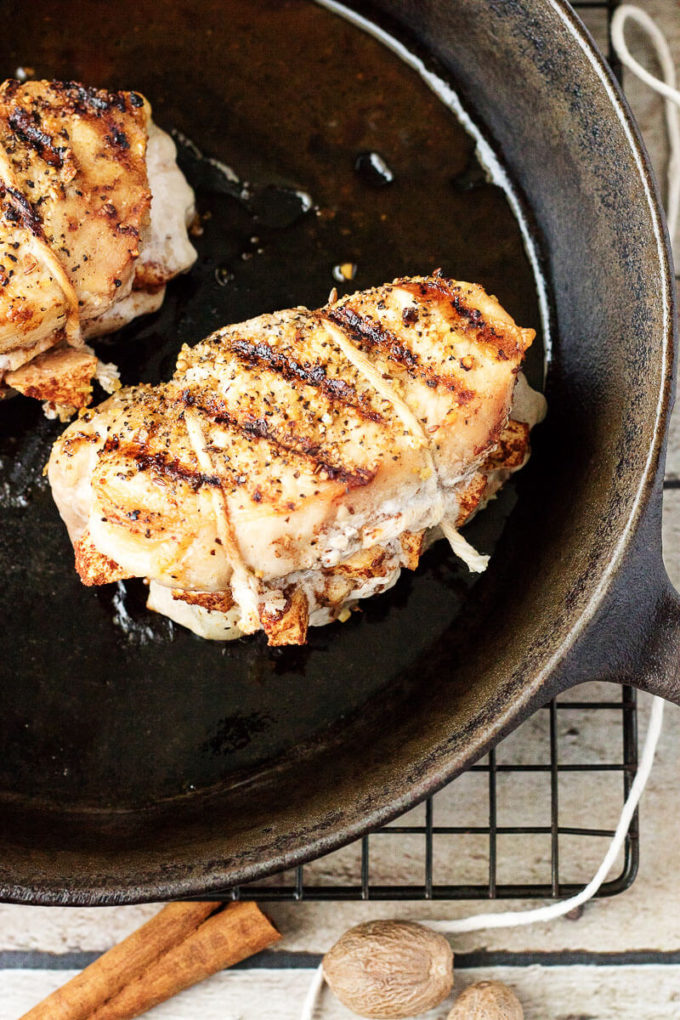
<point>439,842</point>
<point>445,842</point>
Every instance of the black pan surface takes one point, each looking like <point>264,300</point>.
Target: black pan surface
<point>110,706</point>
<point>140,761</point>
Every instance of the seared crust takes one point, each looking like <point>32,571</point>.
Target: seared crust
<point>63,376</point>
<point>287,626</point>
<point>469,497</point>
<point>215,601</point>
<point>511,453</point>
<point>93,567</point>
<point>513,447</point>
<point>412,545</point>
<point>475,314</point>
<point>38,304</point>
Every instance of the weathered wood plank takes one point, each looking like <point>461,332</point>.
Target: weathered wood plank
<point>546,993</point>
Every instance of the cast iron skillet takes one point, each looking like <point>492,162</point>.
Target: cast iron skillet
<point>150,766</point>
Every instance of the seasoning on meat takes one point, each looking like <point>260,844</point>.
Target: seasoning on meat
<point>297,462</point>
<point>93,223</point>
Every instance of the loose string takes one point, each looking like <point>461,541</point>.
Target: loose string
<point>517,918</point>
<point>313,993</point>
<point>666,87</point>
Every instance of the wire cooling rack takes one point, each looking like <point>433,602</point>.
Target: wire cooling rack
<point>531,820</point>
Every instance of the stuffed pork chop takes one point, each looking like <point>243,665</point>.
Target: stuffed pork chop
<point>297,462</point>
<point>93,223</point>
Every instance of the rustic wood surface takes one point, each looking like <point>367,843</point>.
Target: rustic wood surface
<point>621,958</point>
<point>546,993</point>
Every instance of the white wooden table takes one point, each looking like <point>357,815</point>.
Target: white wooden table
<point>620,959</point>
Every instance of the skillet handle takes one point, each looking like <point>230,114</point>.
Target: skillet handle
<point>657,669</point>
<point>634,638</point>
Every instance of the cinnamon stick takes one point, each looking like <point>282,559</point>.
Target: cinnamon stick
<point>175,949</point>
<point>79,997</point>
<point>238,931</point>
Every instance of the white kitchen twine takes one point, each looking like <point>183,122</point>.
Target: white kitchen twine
<point>515,918</point>
<point>666,88</point>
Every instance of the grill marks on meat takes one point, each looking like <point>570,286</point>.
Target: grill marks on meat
<point>263,355</point>
<point>75,202</point>
<point>59,180</point>
<point>165,466</point>
<point>367,333</point>
<point>91,197</point>
<point>17,209</point>
<point>26,128</point>
<point>466,314</point>
<point>326,491</point>
<point>279,383</point>
<point>322,460</point>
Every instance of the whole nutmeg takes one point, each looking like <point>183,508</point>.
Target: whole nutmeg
<point>390,969</point>
<point>487,1000</point>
